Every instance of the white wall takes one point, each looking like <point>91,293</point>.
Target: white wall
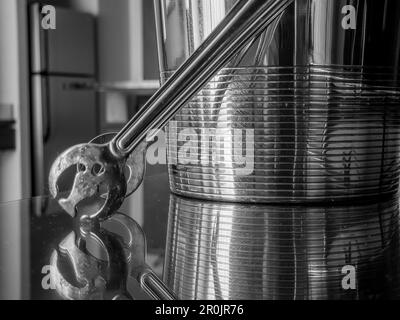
<point>120,41</point>
<point>15,164</point>
<point>88,6</point>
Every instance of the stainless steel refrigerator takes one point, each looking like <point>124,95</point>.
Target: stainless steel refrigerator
<point>63,102</point>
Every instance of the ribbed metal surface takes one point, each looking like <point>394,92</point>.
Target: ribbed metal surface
<point>320,97</point>
<point>303,134</point>
<point>233,251</point>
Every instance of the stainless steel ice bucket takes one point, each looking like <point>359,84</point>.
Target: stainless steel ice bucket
<point>307,112</point>
<point>219,250</point>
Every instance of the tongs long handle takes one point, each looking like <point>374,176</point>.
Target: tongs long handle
<point>246,20</point>
<point>153,285</point>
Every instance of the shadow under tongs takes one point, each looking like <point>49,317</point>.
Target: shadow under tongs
<point>234,251</point>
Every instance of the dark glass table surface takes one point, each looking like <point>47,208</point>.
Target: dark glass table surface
<point>204,250</point>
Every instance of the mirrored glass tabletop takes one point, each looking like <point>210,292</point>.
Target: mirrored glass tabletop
<point>203,249</point>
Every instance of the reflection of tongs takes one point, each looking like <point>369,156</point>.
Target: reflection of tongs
<point>78,275</point>
<point>96,261</point>
<point>138,269</point>
<point>101,166</point>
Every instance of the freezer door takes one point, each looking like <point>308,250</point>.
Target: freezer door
<point>65,114</point>
<point>68,49</point>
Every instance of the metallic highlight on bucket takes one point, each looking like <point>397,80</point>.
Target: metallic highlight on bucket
<point>316,93</point>
<point>234,251</point>
<point>317,133</point>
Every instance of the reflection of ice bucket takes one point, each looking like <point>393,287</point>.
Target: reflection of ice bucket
<point>309,111</point>
<point>221,250</point>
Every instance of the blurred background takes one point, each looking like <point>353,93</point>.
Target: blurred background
<point>63,86</point>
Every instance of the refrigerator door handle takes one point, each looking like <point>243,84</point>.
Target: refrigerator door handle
<point>47,113</point>
<point>41,108</point>
<point>41,131</point>
<point>78,86</point>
